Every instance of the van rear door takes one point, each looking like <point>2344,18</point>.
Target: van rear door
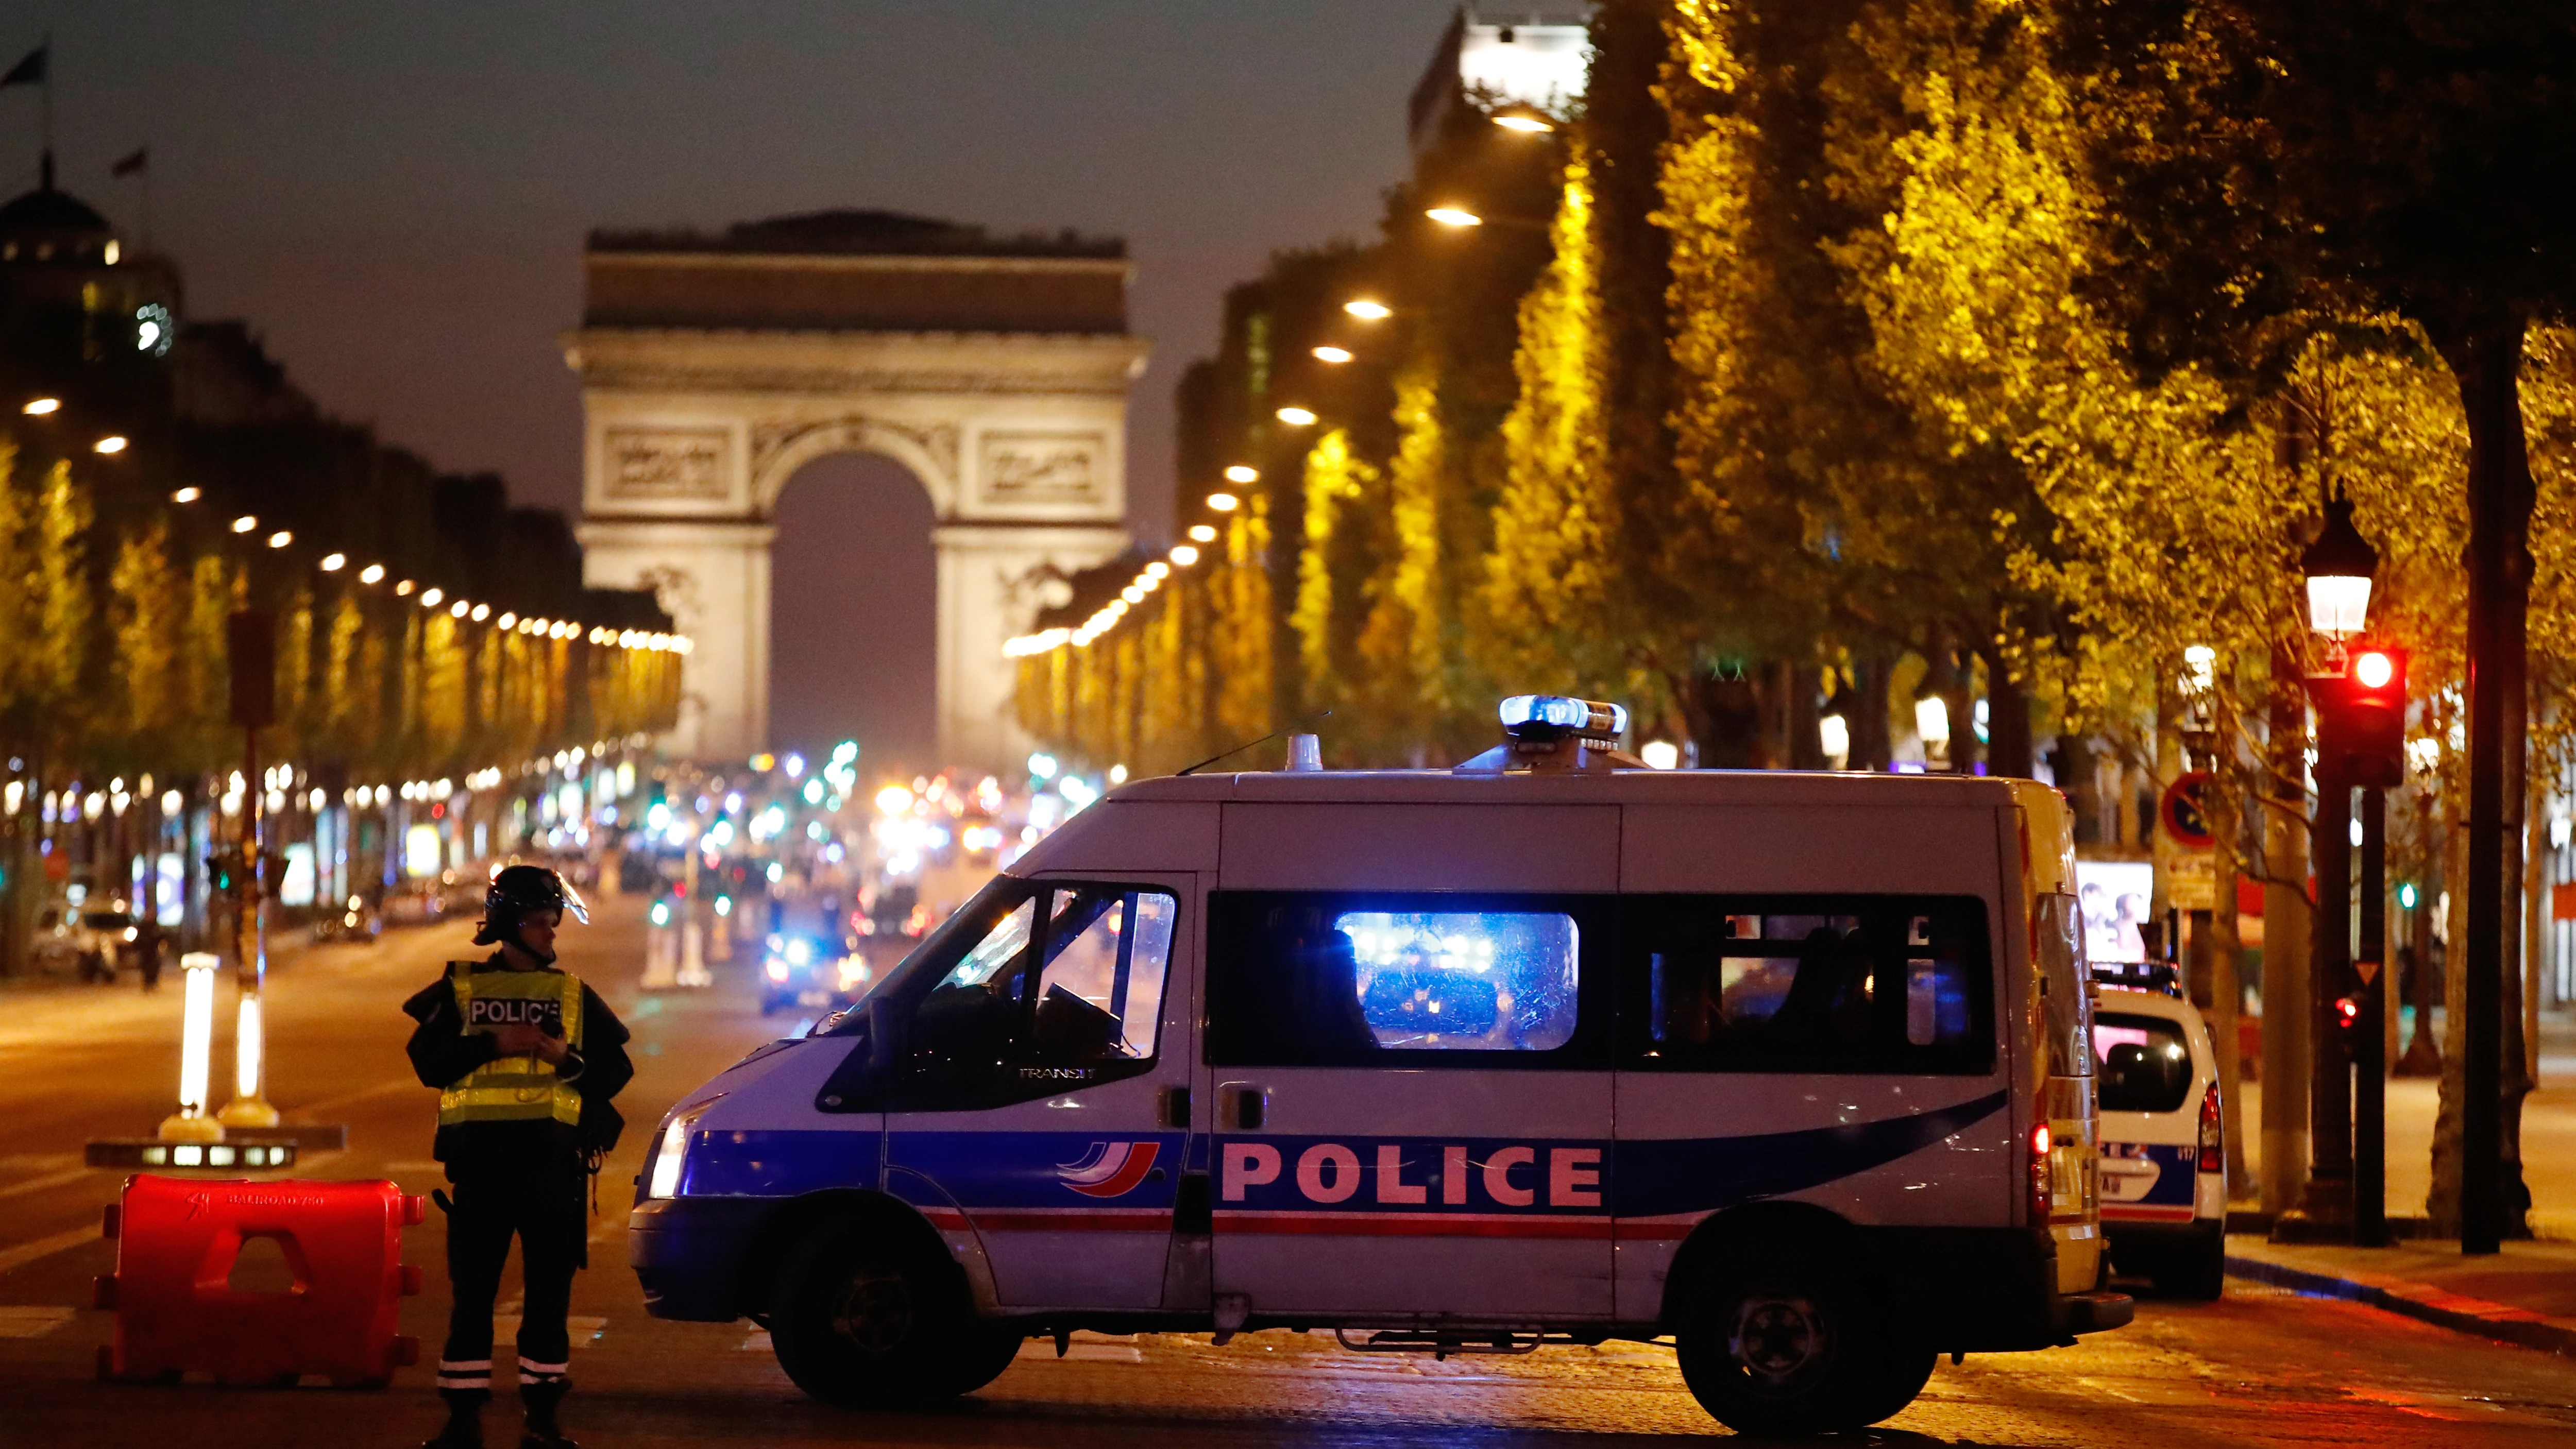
<point>1408,1027</point>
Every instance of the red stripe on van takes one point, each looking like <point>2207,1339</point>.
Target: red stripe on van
<point>2146,1213</point>
<point>1413,1225</point>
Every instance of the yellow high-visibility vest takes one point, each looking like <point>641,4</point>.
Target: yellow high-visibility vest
<point>520,1088</point>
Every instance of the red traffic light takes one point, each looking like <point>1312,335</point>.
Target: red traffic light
<point>2347,1011</point>
<point>2374,669</point>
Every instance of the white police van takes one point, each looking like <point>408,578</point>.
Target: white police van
<point>1544,1049</point>
<point>2164,1161</point>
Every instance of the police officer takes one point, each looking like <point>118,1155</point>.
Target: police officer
<point>525,1058</point>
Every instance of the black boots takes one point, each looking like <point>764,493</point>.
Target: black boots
<point>542,1431</point>
<point>464,1428</point>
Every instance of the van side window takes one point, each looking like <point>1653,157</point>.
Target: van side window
<point>1808,983</point>
<point>1068,978</point>
<point>2145,1064</point>
<point>1323,979</point>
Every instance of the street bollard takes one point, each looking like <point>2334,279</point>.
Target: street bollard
<point>196,1047</point>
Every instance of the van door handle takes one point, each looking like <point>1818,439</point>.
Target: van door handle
<point>1176,1108</point>
<point>1251,1108</point>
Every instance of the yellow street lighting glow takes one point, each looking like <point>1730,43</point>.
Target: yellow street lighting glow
<point>1368,309</point>
<point>1527,125</point>
<point>332,563</point>
<point>507,620</point>
<point>245,523</point>
<point>457,610</point>
<point>1454,216</point>
<point>1243,473</point>
<point>1330,353</point>
<point>109,444</point>
<point>1202,533</point>
<point>404,588</point>
<point>280,539</point>
<point>38,407</point>
<point>1184,555</point>
<point>1132,594</point>
<point>1157,569</point>
<point>1224,502</point>
<point>186,495</point>
<point>429,597</point>
<point>482,612</point>
<point>372,574</point>
<point>1296,417</point>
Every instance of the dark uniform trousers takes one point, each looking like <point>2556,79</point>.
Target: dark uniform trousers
<point>542,1204</point>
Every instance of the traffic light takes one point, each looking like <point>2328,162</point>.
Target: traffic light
<point>2362,717</point>
<point>223,872</point>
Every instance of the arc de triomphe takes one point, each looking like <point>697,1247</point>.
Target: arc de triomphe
<point>714,367</point>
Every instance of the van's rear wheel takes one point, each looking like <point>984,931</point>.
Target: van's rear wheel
<point>1784,1347</point>
<point>2198,1272</point>
<point>859,1320</point>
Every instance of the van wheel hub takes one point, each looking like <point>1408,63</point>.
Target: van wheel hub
<point>874,1312</point>
<point>1779,1340</point>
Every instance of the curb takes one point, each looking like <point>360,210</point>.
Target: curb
<point>2419,1301</point>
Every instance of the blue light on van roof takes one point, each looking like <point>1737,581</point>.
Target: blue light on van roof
<point>1556,711</point>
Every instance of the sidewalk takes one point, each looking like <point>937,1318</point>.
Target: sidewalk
<point>2524,1295</point>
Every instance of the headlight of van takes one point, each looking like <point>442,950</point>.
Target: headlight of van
<point>671,1156</point>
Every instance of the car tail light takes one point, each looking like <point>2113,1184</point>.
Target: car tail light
<point>2213,1152</point>
<point>2040,1142</point>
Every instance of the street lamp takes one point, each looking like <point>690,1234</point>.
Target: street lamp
<point>1223,502</point>
<point>1242,473</point>
<point>1527,123</point>
<point>187,495</point>
<point>1454,216</point>
<point>1368,309</point>
<point>38,407</point>
<point>111,444</point>
<point>1332,354</point>
<point>1297,417</point>
<point>2339,567</point>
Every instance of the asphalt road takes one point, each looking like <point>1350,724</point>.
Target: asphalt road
<point>2262,1367</point>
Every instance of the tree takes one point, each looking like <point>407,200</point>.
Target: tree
<point>2271,165</point>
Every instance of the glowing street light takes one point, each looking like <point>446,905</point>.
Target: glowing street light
<point>109,444</point>
<point>1454,216</point>
<point>1242,473</point>
<point>245,523</point>
<point>2339,567</point>
<point>39,407</point>
<point>1524,122</point>
<point>186,495</point>
<point>280,539</point>
<point>1296,417</point>
<point>1202,533</point>
<point>1368,309</point>
<point>332,563</point>
<point>1224,502</point>
<point>372,574</point>
<point>1184,555</point>
<point>1332,354</point>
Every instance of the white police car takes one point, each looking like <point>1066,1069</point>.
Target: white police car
<point>1550,1048</point>
<point>2164,1165</point>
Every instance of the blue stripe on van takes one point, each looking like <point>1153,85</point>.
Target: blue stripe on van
<point>1704,1174</point>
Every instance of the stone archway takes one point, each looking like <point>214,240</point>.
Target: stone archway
<point>713,368</point>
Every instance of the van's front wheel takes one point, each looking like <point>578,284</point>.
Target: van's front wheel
<point>858,1320</point>
<point>1786,1348</point>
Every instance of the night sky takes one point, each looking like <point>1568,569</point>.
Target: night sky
<point>394,194</point>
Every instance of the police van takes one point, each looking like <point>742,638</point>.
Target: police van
<point>2164,1161</point>
<point>1551,1048</point>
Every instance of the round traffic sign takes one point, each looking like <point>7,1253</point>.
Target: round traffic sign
<point>2184,810</point>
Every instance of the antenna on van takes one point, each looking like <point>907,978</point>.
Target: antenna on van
<point>1249,744</point>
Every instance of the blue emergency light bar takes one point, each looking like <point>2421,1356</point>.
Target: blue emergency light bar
<point>1543,716</point>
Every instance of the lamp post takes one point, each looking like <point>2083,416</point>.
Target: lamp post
<point>2339,567</point>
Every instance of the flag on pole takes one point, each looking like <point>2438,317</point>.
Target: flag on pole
<point>136,161</point>
<point>30,70</point>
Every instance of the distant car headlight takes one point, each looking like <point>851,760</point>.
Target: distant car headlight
<point>133,934</point>
<point>800,952</point>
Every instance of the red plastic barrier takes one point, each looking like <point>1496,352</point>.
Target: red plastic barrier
<point>176,1312</point>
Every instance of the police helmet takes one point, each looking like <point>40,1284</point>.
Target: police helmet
<point>518,891</point>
